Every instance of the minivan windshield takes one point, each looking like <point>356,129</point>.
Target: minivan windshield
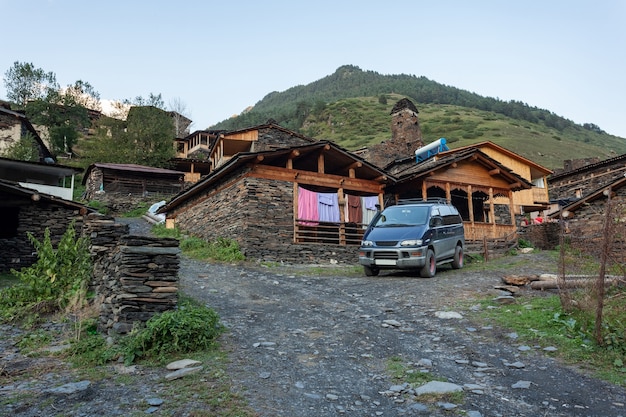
<point>395,216</point>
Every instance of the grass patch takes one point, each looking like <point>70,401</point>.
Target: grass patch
<point>220,250</point>
<point>138,211</point>
<point>540,320</point>
<point>401,372</point>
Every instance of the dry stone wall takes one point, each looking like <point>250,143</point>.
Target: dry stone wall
<point>135,277</point>
<point>258,214</point>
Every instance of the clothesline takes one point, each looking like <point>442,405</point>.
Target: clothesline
<point>324,207</point>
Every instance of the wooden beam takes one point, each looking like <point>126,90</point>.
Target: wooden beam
<point>315,178</point>
<point>515,185</point>
<point>494,171</point>
<point>355,164</point>
<point>320,163</point>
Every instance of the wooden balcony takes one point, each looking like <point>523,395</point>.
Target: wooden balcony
<point>540,195</point>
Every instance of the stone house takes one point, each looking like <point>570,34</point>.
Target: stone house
<point>585,218</point>
<point>579,178</point>
<point>24,210</point>
<point>122,186</point>
<point>296,203</point>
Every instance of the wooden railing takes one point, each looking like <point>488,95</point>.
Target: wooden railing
<point>540,195</point>
<point>479,231</point>
<point>307,231</point>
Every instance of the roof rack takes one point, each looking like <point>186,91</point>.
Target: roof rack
<point>430,200</point>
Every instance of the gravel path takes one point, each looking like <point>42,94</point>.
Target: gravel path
<point>311,346</point>
<point>303,345</point>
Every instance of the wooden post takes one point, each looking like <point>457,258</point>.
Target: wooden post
<point>342,216</point>
<point>295,211</point>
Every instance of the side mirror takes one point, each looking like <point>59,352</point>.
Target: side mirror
<point>436,222</point>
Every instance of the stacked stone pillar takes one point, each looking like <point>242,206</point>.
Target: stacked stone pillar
<point>135,277</point>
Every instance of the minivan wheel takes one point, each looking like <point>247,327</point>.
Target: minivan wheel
<point>457,263</point>
<point>370,271</point>
<point>430,267</point>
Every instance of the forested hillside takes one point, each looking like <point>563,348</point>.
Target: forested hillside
<point>351,107</point>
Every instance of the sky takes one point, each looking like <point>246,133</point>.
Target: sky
<point>213,59</point>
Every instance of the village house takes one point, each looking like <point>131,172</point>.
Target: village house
<point>14,126</point>
<point>192,154</point>
<point>24,210</point>
<point>585,222</point>
<point>480,187</point>
<point>531,201</point>
<point>281,196</point>
<point>578,178</point>
<point>269,188</point>
<point>490,185</point>
<point>122,186</point>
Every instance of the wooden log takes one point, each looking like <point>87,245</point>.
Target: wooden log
<point>573,283</point>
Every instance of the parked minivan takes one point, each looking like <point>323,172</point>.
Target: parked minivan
<point>416,235</point>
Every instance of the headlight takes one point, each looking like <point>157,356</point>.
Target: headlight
<point>367,243</point>
<point>414,242</point>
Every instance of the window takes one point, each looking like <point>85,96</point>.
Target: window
<point>9,220</point>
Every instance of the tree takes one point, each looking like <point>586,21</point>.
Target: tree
<point>24,82</point>
<point>81,94</point>
<point>179,109</point>
<point>65,113</point>
<point>154,100</point>
<point>150,134</point>
<point>64,122</point>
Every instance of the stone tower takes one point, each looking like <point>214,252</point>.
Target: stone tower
<point>406,136</point>
<point>405,126</point>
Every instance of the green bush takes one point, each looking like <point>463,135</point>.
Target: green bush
<point>522,243</point>
<point>189,328</point>
<point>56,281</point>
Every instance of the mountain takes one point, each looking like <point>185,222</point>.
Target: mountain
<point>351,107</point>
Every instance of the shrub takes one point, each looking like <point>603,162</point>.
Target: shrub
<point>189,328</point>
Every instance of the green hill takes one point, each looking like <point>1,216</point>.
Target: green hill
<point>352,108</point>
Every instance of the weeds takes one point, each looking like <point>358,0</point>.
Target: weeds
<point>58,280</point>
<point>542,321</point>
<point>220,250</point>
<point>189,328</point>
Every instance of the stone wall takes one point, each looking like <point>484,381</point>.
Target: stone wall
<point>258,214</point>
<point>544,236</point>
<point>34,217</point>
<point>585,225</point>
<point>135,277</point>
